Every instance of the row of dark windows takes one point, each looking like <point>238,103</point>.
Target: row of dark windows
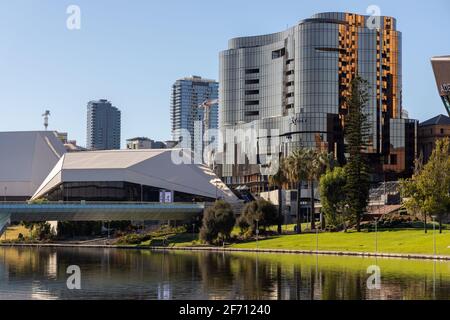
<point>252,81</point>
<point>251,71</point>
<point>251,113</point>
<point>114,192</point>
<point>252,103</point>
<point>278,53</point>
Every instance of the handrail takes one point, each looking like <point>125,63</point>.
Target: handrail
<point>95,203</point>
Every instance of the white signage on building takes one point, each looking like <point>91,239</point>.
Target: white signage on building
<point>165,197</point>
<point>446,87</point>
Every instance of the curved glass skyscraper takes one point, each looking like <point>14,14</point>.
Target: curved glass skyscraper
<point>296,81</point>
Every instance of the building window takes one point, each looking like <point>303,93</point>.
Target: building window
<point>251,71</point>
<point>251,92</point>
<point>278,53</point>
<point>253,81</point>
<point>252,103</point>
<point>251,113</point>
<point>290,72</point>
<point>442,131</point>
<point>290,106</point>
<point>290,84</point>
<point>393,159</point>
<point>290,95</point>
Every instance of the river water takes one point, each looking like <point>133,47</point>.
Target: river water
<point>41,273</point>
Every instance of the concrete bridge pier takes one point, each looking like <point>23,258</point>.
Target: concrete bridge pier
<point>5,220</point>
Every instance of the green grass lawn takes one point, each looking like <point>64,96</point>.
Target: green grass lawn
<point>12,233</point>
<point>392,241</point>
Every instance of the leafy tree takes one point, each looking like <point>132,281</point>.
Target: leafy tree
<point>42,231</point>
<point>218,222</point>
<point>429,190</point>
<point>260,212</point>
<point>413,199</point>
<point>357,134</point>
<point>331,195</point>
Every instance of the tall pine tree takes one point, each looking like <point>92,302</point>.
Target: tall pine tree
<point>356,134</point>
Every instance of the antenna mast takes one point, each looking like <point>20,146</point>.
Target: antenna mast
<point>46,115</point>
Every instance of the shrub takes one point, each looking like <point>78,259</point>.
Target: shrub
<point>218,222</point>
<point>260,210</point>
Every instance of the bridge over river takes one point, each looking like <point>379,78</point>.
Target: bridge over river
<point>100,211</point>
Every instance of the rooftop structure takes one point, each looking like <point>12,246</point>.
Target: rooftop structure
<point>26,158</point>
<point>441,68</point>
<point>133,176</point>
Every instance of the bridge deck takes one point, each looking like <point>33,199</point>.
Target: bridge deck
<point>83,211</point>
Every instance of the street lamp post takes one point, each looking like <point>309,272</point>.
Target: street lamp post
<point>434,235</point>
<point>5,189</point>
<point>317,240</point>
<point>376,235</point>
<point>257,232</point>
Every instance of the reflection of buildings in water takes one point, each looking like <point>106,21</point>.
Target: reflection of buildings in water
<point>387,292</point>
<point>52,265</point>
<point>38,293</point>
<point>4,270</point>
<point>117,274</point>
<point>164,291</point>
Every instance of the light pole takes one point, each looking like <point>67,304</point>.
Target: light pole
<point>257,232</point>
<point>317,241</point>
<point>5,189</point>
<point>376,235</point>
<point>193,232</point>
<point>434,235</point>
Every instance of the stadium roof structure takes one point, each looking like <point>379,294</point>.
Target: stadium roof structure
<point>26,158</point>
<point>150,167</point>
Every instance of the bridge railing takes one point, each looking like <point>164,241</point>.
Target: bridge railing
<point>96,203</point>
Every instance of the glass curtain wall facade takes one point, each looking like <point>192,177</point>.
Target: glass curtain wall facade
<point>187,114</point>
<point>441,68</point>
<point>103,126</point>
<point>296,81</point>
<point>120,191</point>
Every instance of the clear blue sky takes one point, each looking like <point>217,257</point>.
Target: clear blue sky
<point>130,52</point>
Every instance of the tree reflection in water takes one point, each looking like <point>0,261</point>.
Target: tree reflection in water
<point>143,274</point>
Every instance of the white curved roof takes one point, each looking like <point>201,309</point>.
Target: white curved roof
<point>147,167</point>
<point>26,158</point>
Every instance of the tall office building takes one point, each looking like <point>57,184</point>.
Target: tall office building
<point>297,80</point>
<point>103,126</point>
<point>441,68</point>
<point>194,109</point>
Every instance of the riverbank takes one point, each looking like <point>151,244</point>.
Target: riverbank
<point>393,243</point>
<point>237,250</point>
<point>139,274</point>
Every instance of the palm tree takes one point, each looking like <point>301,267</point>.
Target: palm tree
<point>296,171</point>
<point>317,163</point>
<point>279,180</point>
